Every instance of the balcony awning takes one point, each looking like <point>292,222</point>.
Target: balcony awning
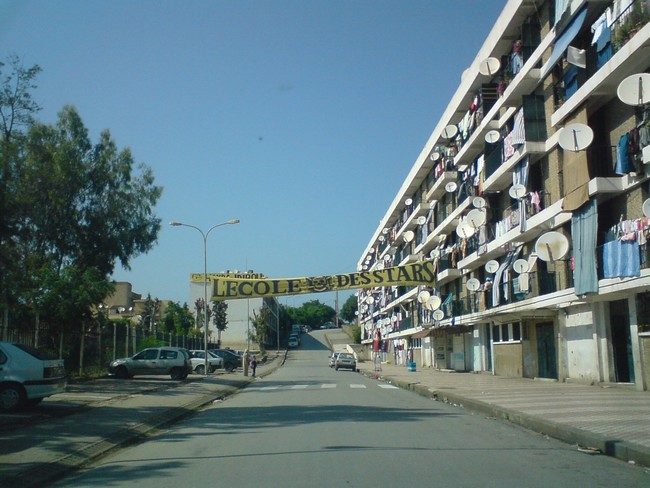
<point>421,334</point>
<point>564,39</point>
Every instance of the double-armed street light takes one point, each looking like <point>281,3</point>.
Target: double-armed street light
<point>205,278</point>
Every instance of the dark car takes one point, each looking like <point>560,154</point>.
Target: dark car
<point>231,360</point>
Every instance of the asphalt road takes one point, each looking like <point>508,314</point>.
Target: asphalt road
<point>307,425</point>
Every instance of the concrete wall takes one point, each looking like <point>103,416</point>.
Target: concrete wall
<point>508,360</point>
<point>580,338</point>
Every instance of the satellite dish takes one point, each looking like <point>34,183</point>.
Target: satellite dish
<point>552,246</point>
<point>635,89</point>
<point>489,66</point>
<point>491,266</point>
<point>385,231</point>
<point>492,136</point>
<point>435,156</point>
<point>479,202</point>
<point>434,302</point>
<point>434,253</point>
<point>465,230</point>
<point>476,218</point>
<point>423,296</point>
<point>388,257</point>
<point>646,208</point>
<point>575,137</point>
<point>517,191</point>
<point>381,238</point>
<point>371,250</point>
<point>438,315</point>
<point>451,187</point>
<point>473,284</point>
<point>408,202</point>
<point>422,220</point>
<point>520,266</point>
<point>408,236</point>
<point>450,131</point>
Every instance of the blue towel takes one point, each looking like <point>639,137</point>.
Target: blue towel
<point>621,259</point>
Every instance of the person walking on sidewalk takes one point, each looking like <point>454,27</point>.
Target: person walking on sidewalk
<point>253,365</point>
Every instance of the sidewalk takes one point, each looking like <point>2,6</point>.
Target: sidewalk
<point>36,455</point>
<point>613,420</point>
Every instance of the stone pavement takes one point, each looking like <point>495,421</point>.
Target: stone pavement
<point>35,455</point>
<point>613,420</point>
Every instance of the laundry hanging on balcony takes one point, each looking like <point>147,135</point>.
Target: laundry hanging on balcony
<point>584,230</point>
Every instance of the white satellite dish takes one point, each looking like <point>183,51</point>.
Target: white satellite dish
<point>473,284</point>
<point>476,218</point>
<point>491,266</point>
<point>435,253</point>
<point>422,220</point>
<point>408,202</point>
<point>435,156</point>
<point>646,208</point>
<point>380,265</point>
<point>451,187</point>
<point>408,236</point>
<point>489,66</point>
<point>434,302</point>
<point>635,89</point>
<point>576,137</point>
<point>517,191</point>
<point>492,136</point>
<point>438,315</point>
<point>552,246</point>
<point>479,202</point>
<point>371,250</point>
<point>388,257</point>
<point>465,230</point>
<point>450,131</point>
<point>381,238</point>
<point>423,296</point>
<point>520,266</point>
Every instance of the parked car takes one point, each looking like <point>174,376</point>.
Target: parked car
<point>293,342</point>
<point>28,375</point>
<point>231,361</point>
<point>345,360</point>
<point>174,361</point>
<point>332,358</point>
<point>197,358</point>
<point>295,337</point>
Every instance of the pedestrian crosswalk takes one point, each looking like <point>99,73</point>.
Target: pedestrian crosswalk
<point>321,386</point>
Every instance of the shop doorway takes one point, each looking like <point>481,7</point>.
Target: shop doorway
<point>621,341</point>
<point>546,352</point>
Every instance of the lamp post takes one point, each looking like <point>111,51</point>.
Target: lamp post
<point>205,278</point>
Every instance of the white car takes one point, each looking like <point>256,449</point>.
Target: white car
<point>28,375</point>
<point>198,361</point>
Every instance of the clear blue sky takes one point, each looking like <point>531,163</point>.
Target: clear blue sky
<point>301,118</point>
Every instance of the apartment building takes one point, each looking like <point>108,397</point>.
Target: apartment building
<point>531,198</point>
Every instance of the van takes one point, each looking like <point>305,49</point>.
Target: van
<point>28,375</point>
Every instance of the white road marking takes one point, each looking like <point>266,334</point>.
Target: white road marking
<point>357,386</point>
<point>328,385</point>
<point>388,387</point>
<point>299,387</point>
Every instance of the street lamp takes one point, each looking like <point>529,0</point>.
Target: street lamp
<point>205,277</point>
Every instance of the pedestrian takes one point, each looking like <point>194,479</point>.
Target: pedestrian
<point>253,365</point>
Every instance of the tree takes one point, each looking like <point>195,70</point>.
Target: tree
<point>349,309</point>
<point>220,317</point>
<point>260,326</point>
<point>312,313</point>
<point>178,319</point>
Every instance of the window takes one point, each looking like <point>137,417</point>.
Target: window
<point>504,333</point>
<point>164,354</point>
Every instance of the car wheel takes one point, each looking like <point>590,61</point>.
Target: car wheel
<point>336,368</point>
<point>122,373</point>
<point>177,374</point>
<point>229,367</point>
<point>11,397</point>
<point>200,369</point>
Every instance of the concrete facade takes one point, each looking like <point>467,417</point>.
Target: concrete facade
<point>499,150</point>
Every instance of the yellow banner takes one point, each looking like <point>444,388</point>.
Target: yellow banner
<point>231,288</point>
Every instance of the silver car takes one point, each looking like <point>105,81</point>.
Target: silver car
<point>174,361</point>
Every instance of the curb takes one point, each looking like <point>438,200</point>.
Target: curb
<point>611,447</point>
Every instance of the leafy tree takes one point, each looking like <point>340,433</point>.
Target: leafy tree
<point>69,209</point>
<point>260,326</point>
<point>220,317</point>
<point>349,309</point>
<point>178,319</point>
<point>312,313</point>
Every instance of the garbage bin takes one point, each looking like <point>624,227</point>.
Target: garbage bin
<point>411,367</point>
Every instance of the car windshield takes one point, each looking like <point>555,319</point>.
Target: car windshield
<point>37,353</point>
<point>344,355</point>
